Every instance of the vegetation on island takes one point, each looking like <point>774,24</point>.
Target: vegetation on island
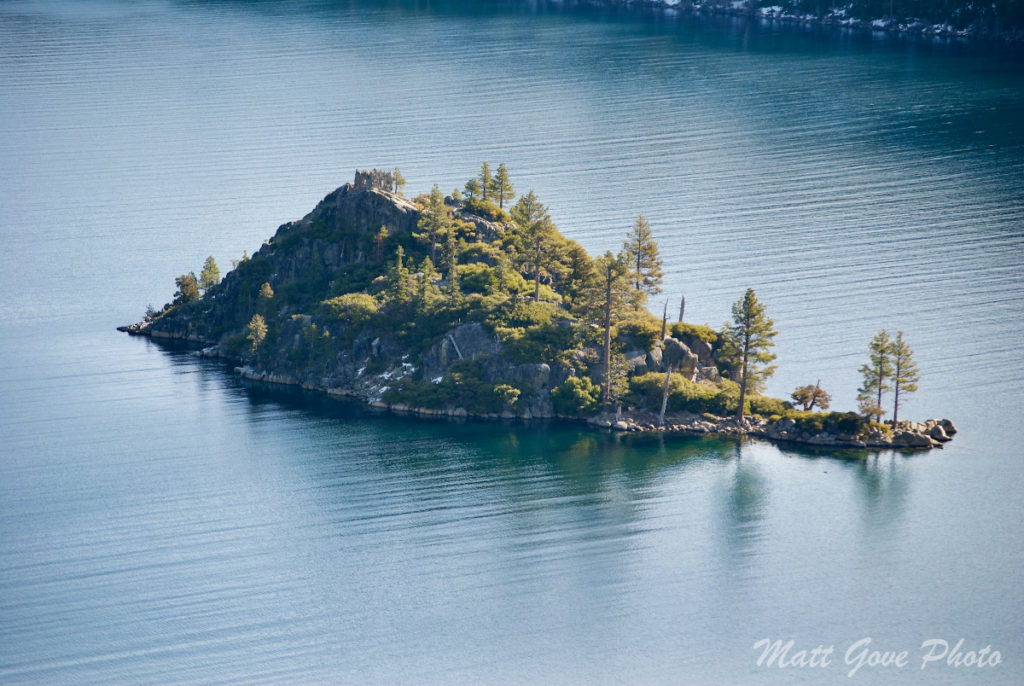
<point>890,367</point>
<point>477,302</point>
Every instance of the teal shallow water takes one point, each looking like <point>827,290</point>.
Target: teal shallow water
<point>161,522</point>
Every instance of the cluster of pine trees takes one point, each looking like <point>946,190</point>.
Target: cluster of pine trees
<point>891,367</point>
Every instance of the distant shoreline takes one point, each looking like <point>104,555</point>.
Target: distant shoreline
<point>905,26</point>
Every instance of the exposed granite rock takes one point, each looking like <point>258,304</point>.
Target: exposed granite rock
<point>636,361</point>
<point>654,360</point>
<point>487,230</point>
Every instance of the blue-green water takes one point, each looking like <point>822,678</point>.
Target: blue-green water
<point>162,523</point>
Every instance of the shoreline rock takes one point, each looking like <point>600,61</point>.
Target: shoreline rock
<point>909,436</point>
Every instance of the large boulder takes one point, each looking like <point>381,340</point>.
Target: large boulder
<point>485,229</point>
<point>654,360</point>
<point>677,354</point>
<point>702,349</point>
<point>535,376</point>
<point>910,439</point>
<point>466,342</point>
<point>673,351</point>
<point>636,362</point>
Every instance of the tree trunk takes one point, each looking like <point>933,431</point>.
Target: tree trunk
<point>743,381</point>
<point>880,380</point>
<point>682,307</point>
<point>607,337</point>
<point>664,321</point>
<point>664,397</point>
<point>536,275</point>
<point>896,396</point>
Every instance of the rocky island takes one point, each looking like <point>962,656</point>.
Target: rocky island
<point>465,305</point>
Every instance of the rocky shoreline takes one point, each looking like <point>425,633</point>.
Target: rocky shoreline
<point>908,436</point>
<point>932,433</point>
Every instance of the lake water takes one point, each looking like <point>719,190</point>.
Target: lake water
<point>161,522</point>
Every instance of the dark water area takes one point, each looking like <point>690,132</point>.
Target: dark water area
<point>163,522</point>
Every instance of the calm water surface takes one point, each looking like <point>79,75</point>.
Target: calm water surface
<point>160,522</point>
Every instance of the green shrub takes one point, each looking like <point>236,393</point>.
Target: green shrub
<point>811,422</point>
<point>480,252</point>
<point>515,313</point>
<point>849,422</point>
<point>486,209</point>
<point>682,331</point>
<point>762,404</point>
<point>642,329</point>
<point>354,309</point>
<point>506,394</point>
<point>477,277</point>
<point>832,422</point>
<point>577,395</point>
<point>646,391</point>
<point>884,428</point>
<point>538,343</point>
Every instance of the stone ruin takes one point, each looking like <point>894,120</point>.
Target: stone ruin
<point>375,179</point>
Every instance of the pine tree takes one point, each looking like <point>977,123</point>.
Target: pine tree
<point>501,186</point>
<point>209,276</point>
<point>810,397</point>
<point>256,332</point>
<point>607,299</point>
<point>485,179</point>
<point>876,376</point>
<point>905,374</point>
<point>579,272</point>
<point>644,261</point>
<point>435,223</point>
<point>535,231</point>
<point>378,243</point>
<point>617,378</point>
<point>451,256</point>
<point>188,289</point>
<point>427,293</point>
<point>265,300</point>
<point>472,190</point>
<point>399,282</point>
<point>398,180</point>
<point>746,344</point>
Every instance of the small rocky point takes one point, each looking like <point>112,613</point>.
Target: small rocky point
<point>932,433</point>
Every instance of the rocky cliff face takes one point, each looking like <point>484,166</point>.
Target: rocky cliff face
<point>309,260</point>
